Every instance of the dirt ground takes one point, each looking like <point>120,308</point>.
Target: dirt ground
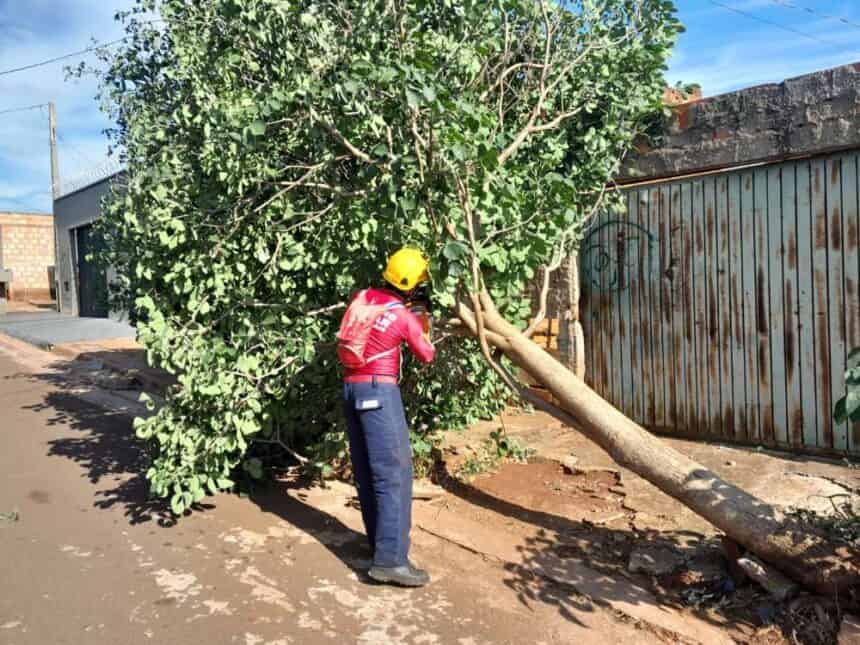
<point>597,516</point>
<point>532,553</point>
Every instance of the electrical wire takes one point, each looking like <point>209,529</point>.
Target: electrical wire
<point>80,52</point>
<point>815,12</point>
<point>753,16</point>
<point>23,109</point>
<point>63,57</point>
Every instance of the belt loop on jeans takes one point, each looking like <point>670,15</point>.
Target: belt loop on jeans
<point>374,380</point>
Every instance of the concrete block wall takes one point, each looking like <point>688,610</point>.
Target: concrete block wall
<point>27,249</point>
<point>811,114</point>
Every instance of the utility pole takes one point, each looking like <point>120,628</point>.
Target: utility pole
<point>55,165</point>
<point>55,193</point>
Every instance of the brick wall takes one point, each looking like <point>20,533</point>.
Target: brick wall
<point>27,248</point>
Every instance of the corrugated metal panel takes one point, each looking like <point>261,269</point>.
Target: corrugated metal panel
<point>724,306</point>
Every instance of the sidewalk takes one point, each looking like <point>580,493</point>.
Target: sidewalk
<point>49,328</point>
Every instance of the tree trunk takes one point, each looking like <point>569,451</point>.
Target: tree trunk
<point>800,551</point>
<point>571,339</point>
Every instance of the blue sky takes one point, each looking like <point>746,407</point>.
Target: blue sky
<point>722,50</point>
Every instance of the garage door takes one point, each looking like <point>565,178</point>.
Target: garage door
<point>92,280</point>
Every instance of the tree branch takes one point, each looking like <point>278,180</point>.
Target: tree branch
<point>553,266</point>
<point>346,143</point>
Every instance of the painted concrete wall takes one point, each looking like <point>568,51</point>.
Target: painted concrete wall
<point>70,212</point>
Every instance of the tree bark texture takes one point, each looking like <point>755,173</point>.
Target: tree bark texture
<point>571,339</point>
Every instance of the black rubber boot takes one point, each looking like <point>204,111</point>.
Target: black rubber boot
<point>407,575</point>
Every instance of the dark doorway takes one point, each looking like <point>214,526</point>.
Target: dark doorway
<point>92,280</point>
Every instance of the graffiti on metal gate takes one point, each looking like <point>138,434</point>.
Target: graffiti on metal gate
<point>615,254</point>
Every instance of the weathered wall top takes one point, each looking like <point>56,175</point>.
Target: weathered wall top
<point>810,114</point>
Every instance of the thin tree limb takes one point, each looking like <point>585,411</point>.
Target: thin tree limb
<point>346,143</point>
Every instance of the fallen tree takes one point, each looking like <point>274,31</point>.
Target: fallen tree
<point>278,151</point>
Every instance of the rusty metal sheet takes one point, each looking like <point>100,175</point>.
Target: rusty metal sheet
<point>666,412</point>
<point>704,397</point>
<point>821,306</point>
<point>625,326</point>
<point>587,314</point>
<point>689,362</point>
<point>773,336</point>
<point>791,303</point>
<point>851,262</point>
<point>835,294</point>
<point>759,327</point>
<point>606,330</point>
<point>805,300</point>
<point>610,314</point>
<point>750,213</point>
<point>620,352</point>
<point>601,375</point>
<point>674,278</point>
<point>655,284</point>
<point>648,397</point>
<point>736,307</point>
<point>725,303</point>
<point>635,337</point>
<point>742,327</point>
<point>715,351</point>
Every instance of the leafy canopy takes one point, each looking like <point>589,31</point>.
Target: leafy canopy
<point>277,151</point>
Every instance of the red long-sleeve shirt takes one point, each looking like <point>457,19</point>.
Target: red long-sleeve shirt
<point>390,330</point>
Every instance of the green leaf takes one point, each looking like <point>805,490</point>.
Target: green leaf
<point>852,402</point>
<point>177,504</point>
<point>840,415</point>
<point>413,98</point>
<point>454,250</point>
<point>240,302</point>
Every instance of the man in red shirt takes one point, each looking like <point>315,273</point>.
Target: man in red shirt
<point>375,325</point>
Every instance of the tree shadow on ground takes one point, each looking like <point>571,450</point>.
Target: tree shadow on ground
<point>287,499</point>
<point>104,445</point>
<point>566,559</point>
<point>113,459</point>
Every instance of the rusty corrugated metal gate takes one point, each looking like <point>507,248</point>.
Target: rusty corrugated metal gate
<point>724,306</point>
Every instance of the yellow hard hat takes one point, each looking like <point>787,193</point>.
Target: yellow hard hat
<point>406,269</point>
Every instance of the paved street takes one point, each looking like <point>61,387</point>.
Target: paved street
<point>90,560</point>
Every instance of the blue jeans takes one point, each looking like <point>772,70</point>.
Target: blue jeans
<point>381,466</point>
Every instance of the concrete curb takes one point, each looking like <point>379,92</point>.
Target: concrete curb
<point>40,363</point>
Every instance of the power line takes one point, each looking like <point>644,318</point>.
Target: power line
<point>23,109</point>
<point>80,52</point>
<point>815,12</point>
<point>753,16</point>
<point>63,57</point>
